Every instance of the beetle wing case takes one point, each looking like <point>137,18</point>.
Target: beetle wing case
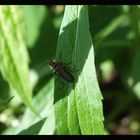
<point>61,70</point>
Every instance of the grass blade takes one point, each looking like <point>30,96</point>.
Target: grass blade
<point>110,28</point>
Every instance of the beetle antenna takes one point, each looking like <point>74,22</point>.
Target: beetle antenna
<point>45,63</point>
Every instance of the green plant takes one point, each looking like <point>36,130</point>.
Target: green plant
<point>79,105</point>
<point>100,44</point>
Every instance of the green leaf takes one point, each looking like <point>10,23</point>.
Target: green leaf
<point>4,103</point>
<point>111,27</point>
<point>34,129</point>
<point>43,102</point>
<point>13,54</point>
<point>78,105</point>
<point>48,127</point>
<point>102,15</point>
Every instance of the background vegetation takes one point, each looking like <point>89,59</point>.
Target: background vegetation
<point>115,33</point>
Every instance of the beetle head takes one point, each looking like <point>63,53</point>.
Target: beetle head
<point>52,63</point>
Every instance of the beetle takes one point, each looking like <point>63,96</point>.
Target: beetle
<point>61,70</point>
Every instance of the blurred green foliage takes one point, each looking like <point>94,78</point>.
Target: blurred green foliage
<point>115,32</point>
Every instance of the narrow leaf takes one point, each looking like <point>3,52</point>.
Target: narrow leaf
<point>4,103</point>
<point>13,54</point>
<point>110,28</point>
<point>34,129</point>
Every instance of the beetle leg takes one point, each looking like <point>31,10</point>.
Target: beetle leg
<point>65,64</point>
<point>57,74</point>
<point>41,66</point>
